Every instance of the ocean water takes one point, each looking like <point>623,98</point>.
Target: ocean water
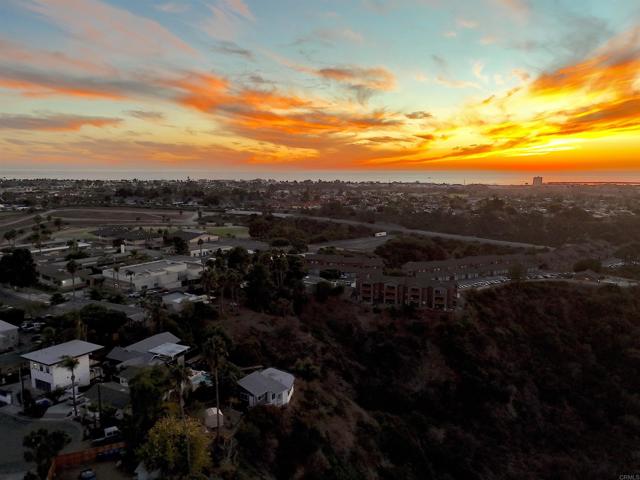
<point>423,176</point>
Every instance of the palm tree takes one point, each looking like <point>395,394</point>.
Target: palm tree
<point>234,281</point>
<point>216,351</point>
<point>210,280</point>
<point>70,363</point>
<point>180,376</point>
<point>130,274</point>
<point>72,268</point>
<point>116,271</point>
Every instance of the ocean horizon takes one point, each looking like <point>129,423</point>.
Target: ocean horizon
<point>447,177</point>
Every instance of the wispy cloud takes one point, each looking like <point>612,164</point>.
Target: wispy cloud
<point>173,7</point>
<point>54,122</point>
<point>146,114</point>
<point>467,23</point>
<point>232,48</point>
<point>226,18</point>
<point>477,69</point>
<point>124,32</point>
<point>364,82</point>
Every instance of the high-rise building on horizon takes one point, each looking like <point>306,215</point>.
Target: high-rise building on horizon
<point>537,181</point>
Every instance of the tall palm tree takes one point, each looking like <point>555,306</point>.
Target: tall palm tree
<point>70,363</point>
<point>130,274</point>
<point>116,271</point>
<point>210,280</point>
<point>216,352</point>
<point>234,281</point>
<point>72,268</point>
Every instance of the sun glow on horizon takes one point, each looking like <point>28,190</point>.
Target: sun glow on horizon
<point>222,84</point>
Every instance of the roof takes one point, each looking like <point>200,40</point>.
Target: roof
<point>111,393</point>
<point>146,345</point>
<point>187,235</point>
<point>132,312</point>
<point>283,378</point>
<point>119,354</point>
<point>54,354</point>
<point>269,380</point>
<point>169,350</point>
<point>129,372</point>
<point>6,326</point>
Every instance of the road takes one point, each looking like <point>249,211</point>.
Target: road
<point>390,227</point>
<point>105,216</point>
<point>123,216</point>
<point>13,430</point>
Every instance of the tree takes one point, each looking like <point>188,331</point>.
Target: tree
<point>180,246</point>
<point>10,236</point>
<point>130,274</point>
<point>200,242</point>
<point>517,272</point>
<point>70,363</point>
<point>167,444</point>
<point>587,264</point>
<point>58,223</point>
<point>147,391</point>
<point>629,253</point>
<point>18,268</point>
<point>210,280</point>
<point>216,351</point>
<point>56,299</point>
<point>260,288</point>
<point>42,447</point>
<point>72,268</point>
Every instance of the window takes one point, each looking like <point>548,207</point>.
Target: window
<point>273,396</point>
<point>47,369</point>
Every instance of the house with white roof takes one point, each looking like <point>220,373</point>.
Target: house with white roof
<point>48,374</point>
<point>162,274</point>
<point>8,336</point>
<point>157,349</point>
<point>267,387</point>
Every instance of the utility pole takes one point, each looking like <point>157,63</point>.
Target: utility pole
<point>21,386</point>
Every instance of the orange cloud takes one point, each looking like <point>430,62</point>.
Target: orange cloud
<point>36,89</point>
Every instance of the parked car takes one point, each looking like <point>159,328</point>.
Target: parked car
<point>80,400</point>
<point>43,402</point>
<point>111,435</point>
<point>87,474</point>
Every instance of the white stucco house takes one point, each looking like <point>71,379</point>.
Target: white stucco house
<point>47,374</point>
<point>267,387</point>
<point>8,336</point>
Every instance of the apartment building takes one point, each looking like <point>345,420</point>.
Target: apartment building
<point>378,289</point>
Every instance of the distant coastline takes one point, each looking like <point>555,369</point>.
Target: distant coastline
<point>456,177</point>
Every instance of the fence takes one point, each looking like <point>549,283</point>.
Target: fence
<point>72,459</point>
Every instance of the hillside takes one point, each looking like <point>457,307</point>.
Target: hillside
<point>530,381</point>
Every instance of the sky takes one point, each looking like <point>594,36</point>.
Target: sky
<point>322,85</point>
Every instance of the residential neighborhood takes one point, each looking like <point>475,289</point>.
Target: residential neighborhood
<point>126,319</point>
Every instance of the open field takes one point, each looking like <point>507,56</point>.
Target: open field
<point>236,231</point>
<point>74,234</point>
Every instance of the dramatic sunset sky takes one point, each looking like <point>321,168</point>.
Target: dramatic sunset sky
<point>342,85</point>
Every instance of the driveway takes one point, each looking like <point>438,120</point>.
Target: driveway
<point>12,431</point>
